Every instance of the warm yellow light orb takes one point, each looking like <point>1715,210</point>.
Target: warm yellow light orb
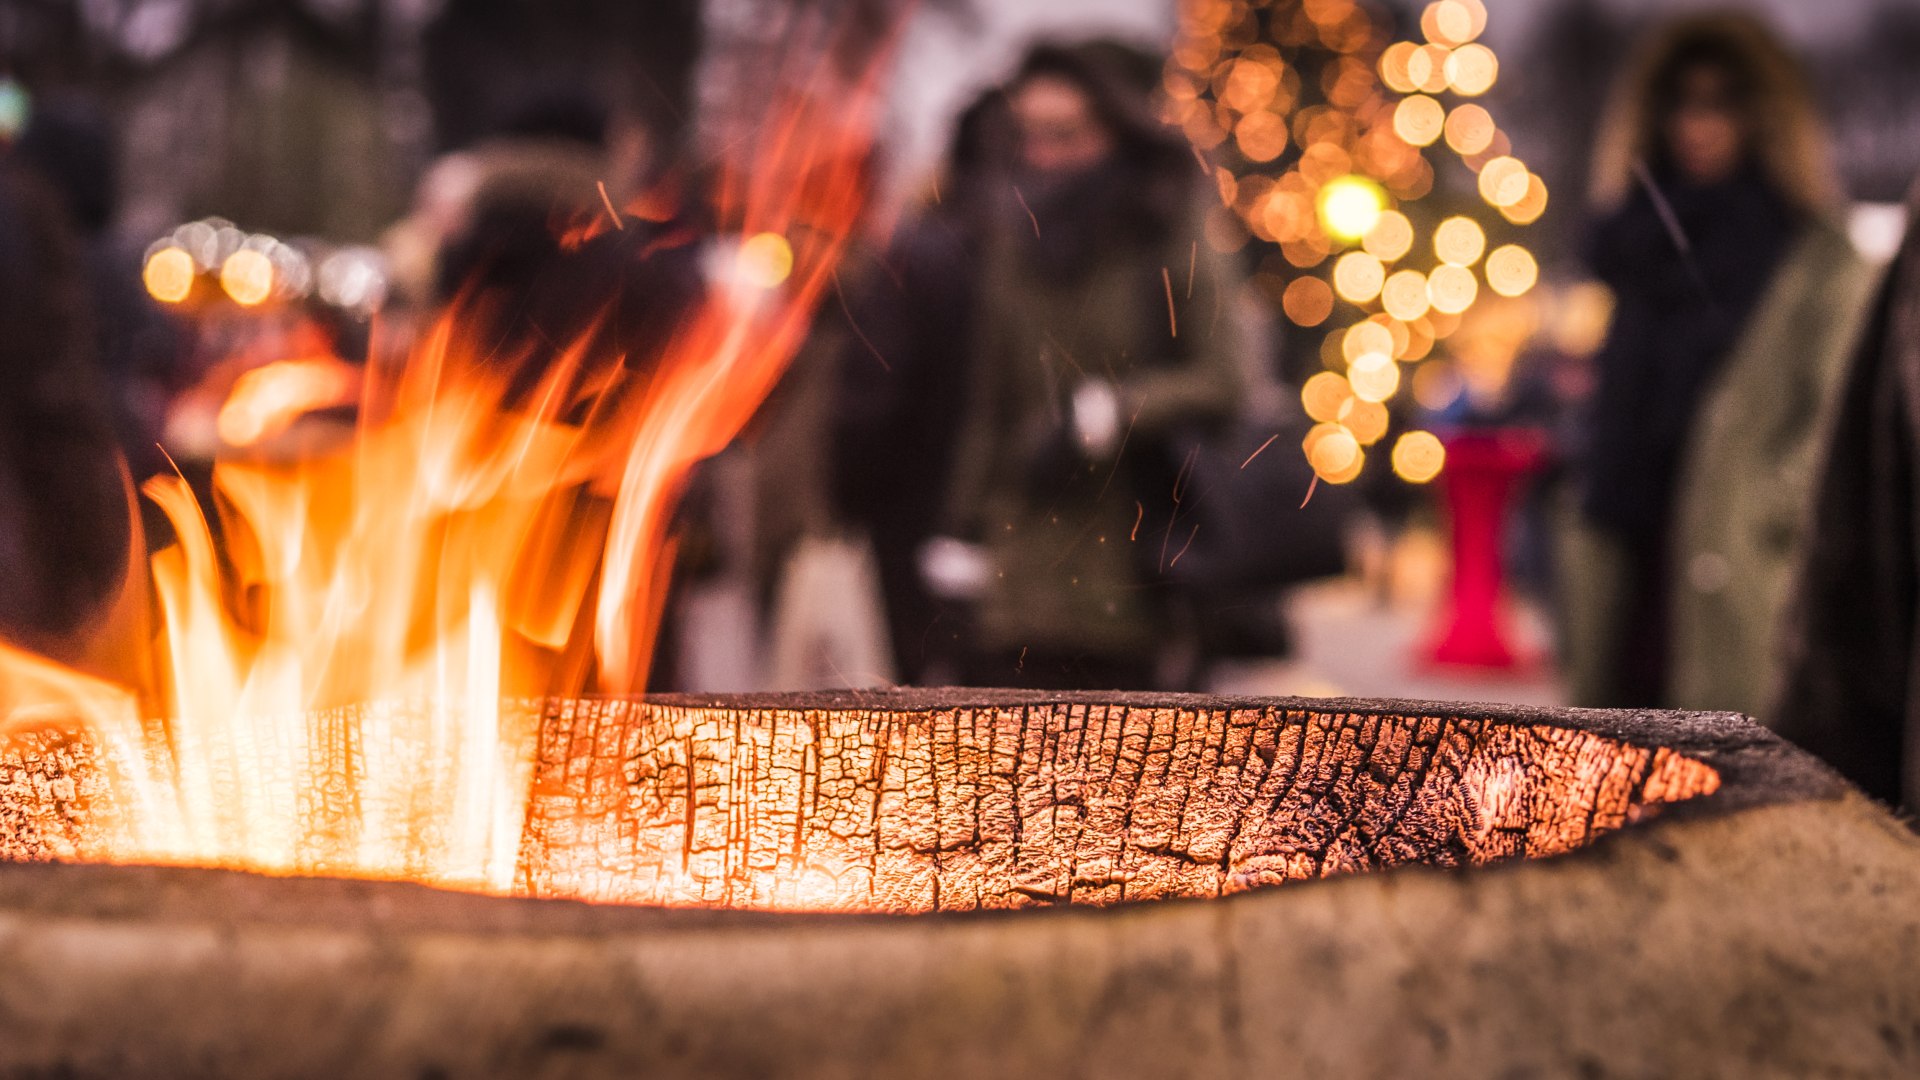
<point>1459,241</point>
<point>247,277</point>
<point>1363,338</point>
<point>1358,276</point>
<point>1333,452</point>
<point>1472,69</point>
<point>1404,296</point>
<point>1419,120</point>
<point>1350,207</point>
<point>168,275</point>
<point>1452,289</point>
<point>1390,238</point>
<point>1324,394</point>
<point>766,259</point>
<point>1374,377</point>
<point>1366,419</point>
<point>1470,129</point>
<point>1418,456</point>
<point>1511,270</point>
<point>1504,181</point>
<point>1531,205</point>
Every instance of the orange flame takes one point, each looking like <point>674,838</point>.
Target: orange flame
<point>333,666</point>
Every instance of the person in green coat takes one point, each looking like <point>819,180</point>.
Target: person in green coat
<point>1103,334</point>
<point>1738,299</point>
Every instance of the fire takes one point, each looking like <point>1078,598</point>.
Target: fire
<point>267,400</point>
<point>332,668</point>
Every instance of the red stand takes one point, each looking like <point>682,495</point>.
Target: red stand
<point>1483,471</point>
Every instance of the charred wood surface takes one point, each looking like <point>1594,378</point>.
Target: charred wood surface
<point>933,801</point>
<point>1765,929</point>
<point>914,804</point>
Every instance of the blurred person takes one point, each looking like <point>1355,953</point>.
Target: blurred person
<point>139,346</point>
<point>65,525</point>
<point>1852,637</point>
<point>906,354</point>
<point>1736,297</point>
<point>544,160</point>
<point>1087,358</point>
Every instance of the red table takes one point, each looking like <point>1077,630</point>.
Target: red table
<point>1484,471</point>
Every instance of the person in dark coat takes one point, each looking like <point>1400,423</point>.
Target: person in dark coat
<point>1088,364</point>
<point>65,525</point>
<point>139,345</point>
<point>905,366</point>
<point>1852,638</point>
<point>1709,179</point>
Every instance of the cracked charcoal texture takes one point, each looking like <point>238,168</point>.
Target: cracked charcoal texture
<point>1023,804</point>
<point>1765,929</point>
<point>989,806</point>
<point>996,805</point>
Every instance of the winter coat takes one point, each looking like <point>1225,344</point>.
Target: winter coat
<point>1742,482</point>
<point>1850,644</point>
<point>1742,523</point>
<point>1076,557</point>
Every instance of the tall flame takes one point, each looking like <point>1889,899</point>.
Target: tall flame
<point>336,644</point>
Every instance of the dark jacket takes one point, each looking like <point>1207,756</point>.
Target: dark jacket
<point>1073,573</point>
<point>1677,314</point>
<point>1850,646</point>
<point>65,527</point>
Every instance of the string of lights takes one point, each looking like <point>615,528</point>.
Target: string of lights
<point>1323,134</point>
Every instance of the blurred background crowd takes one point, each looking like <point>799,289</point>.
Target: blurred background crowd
<point>1555,351</point>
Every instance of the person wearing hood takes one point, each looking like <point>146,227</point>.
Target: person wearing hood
<point>1098,334</point>
<point>1737,298</point>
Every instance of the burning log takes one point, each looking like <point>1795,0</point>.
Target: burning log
<point>1715,902</point>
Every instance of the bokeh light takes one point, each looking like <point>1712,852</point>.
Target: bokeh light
<point>1420,120</point>
<point>1367,420</point>
<point>1323,396</point>
<point>168,274</point>
<point>1472,69</point>
<point>1390,238</point>
<point>1452,289</point>
<point>766,259</point>
<point>1333,452</point>
<point>247,276</point>
<point>1321,124</point>
<point>1470,129</point>
<point>1531,205</point>
<point>1418,456</point>
<point>1363,338</point>
<point>1261,136</point>
<point>1512,270</point>
<point>1404,296</point>
<point>1351,206</point>
<point>1374,377</point>
<point>1394,65</point>
<point>1453,22</point>
<point>1459,241</point>
<point>1308,301</point>
<point>1427,68</point>
<point>1358,276</point>
<point>1504,181</point>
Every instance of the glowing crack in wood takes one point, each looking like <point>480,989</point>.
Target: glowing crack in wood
<point>917,809</point>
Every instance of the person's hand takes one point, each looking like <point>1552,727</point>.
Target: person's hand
<point>1096,418</point>
<point>954,569</point>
